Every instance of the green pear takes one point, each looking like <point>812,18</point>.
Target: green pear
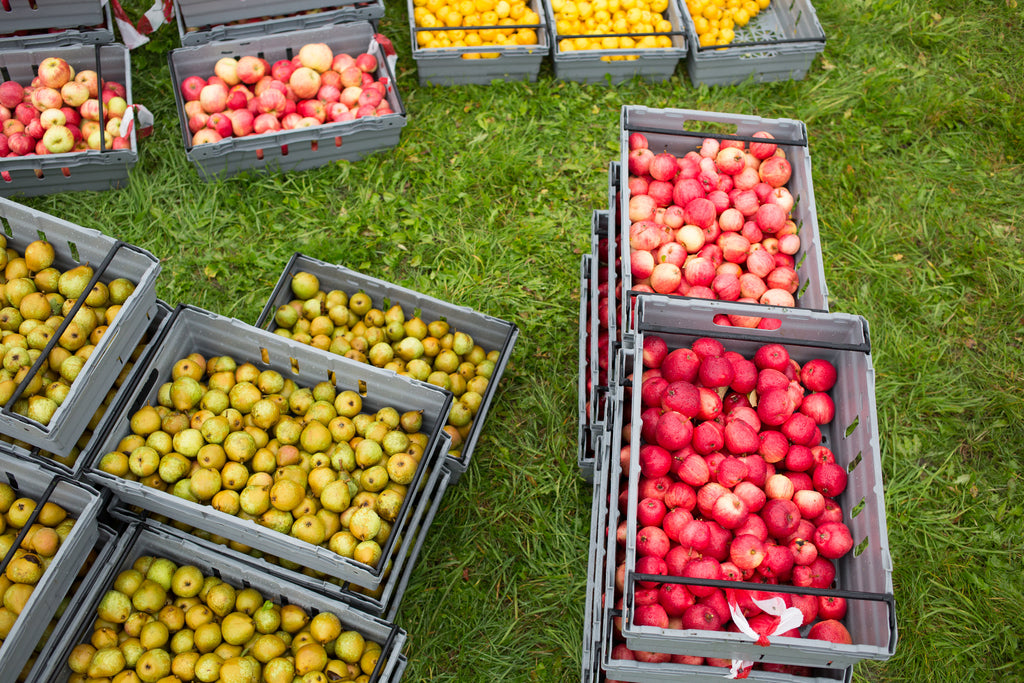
<point>115,607</point>
<point>73,283</point>
<point>185,393</point>
<point>106,662</point>
<point>26,569</point>
<point>187,581</point>
<point>149,597</point>
<point>153,665</point>
<point>119,290</point>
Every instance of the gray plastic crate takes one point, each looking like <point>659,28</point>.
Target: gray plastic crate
<point>779,44</point>
<point>94,170</point>
<point>446,66</point>
<point>598,380</point>
<point>489,332</point>
<point>212,12</point>
<point>194,330</point>
<point>96,559</point>
<point>61,461</point>
<point>222,25</point>
<point>600,377</point>
<point>301,148</point>
<point>56,33</point>
<point>385,601</point>
<point>34,15</point>
<point>82,503</point>
<point>137,541</point>
<point>642,672</point>
<point>843,340</point>
<point>75,244</point>
<point>585,458</point>
<point>599,529</point>
<point>612,236</point>
<point>681,130</point>
<point>594,66</point>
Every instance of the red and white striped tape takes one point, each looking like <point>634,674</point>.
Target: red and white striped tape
<point>134,33</point>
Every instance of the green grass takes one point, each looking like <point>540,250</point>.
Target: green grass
<point>914,116</point>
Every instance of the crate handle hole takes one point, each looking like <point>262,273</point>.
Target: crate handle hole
<point>362,388</point>
<point>313,146</point>
<point>856,461</point>
<point>265,355</point>
<point>294,365</point>
<point>337,141</point>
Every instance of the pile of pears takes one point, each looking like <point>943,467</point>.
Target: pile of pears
<point>303,461</point>
<point>164,621</point>
<point>33,555</point>
<point>62,607</point>
<point>34,299</point>
<point>351,325</point>
<point>238,546</point>
<point>71,457</point>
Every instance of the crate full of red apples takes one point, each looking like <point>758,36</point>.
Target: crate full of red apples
<point>754,475</point>
<point>60,138</point>
<point>606,654</point>
<point>717,206</point>
<point>286,102</point>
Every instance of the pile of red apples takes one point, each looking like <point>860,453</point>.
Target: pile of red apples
<point>60,111</point>
<point>735,484</point>
<point>714,223</point>
<point>250,96</point>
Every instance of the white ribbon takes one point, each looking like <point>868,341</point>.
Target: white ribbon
<point>145,119</point>
<point>789,618</point>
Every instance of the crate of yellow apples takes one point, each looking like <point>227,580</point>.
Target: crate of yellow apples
<point>458,42</point>
<point>615,40</point>
<point>732,41</point>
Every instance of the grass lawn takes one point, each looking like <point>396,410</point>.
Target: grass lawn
<point>914,112</point>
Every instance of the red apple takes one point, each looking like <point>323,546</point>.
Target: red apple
<point>11,94</point>
<point>775,170</point>
<point>226,68</point>
<point>316,56</point>
<point>54,72</point>
<point>366,62</point>
<point>58,139</point>
<point>251,69</point>
<point>747,551</point>
<point>213,98</point>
